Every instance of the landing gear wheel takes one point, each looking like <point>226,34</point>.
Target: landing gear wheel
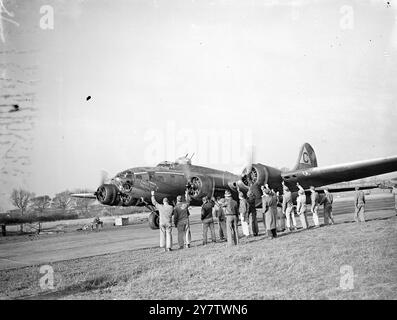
<point>154,220</point>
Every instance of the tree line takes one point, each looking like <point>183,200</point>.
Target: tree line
<point>27,202</point>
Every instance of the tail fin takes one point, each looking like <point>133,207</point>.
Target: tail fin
<point>307,158</point>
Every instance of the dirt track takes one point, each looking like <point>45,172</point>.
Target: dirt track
<point>84,244</point>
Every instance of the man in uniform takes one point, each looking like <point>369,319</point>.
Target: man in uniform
<point>263,189</point>
<point>327,201</point>
<point>252,213</point>
<point>314,197</point>
<point>269,206</point>
<point>207,220</point>
<point>181,220</point>
<point>220,215</point>
<point>301,207</point>
<point>288,208</point>
<point>165,223</point>
<point>231,212</point>
<point>359,205</point>
<point>394,191</point>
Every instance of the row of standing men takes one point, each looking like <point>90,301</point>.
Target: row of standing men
<point>228,212</point>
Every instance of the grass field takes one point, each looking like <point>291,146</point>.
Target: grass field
<point>303,265</point>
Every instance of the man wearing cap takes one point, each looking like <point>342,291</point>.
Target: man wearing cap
<point>181,220</point>
<point>207,220</point>
<point>327,201</point>
<point>165,223</point>
<point>394,191</point>
<point>288,208</point>
<point>359,205</point>
<point>269,206</point>
<point>243,210</point>
<point>231,212</point>
<point>314,197</point>
<point>220,215</point>
<point>252,213</point>
<point>301,206</point>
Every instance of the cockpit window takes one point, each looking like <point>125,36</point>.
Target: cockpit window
<point>124,174</point>
<point>166,164</point>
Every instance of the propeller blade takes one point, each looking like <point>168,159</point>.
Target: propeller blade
<point>104,177</point>
<point>187,172</point>
<point>250,159</point>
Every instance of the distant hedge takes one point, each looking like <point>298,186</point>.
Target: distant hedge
<point>30,218</point>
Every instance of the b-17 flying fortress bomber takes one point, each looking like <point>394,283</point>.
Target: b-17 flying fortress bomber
<point>132,187</point>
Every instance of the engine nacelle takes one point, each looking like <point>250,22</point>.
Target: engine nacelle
<point>200,186</point>
<point>258,176</point>
<point>108,194</point>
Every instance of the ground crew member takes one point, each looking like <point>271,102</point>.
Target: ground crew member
<point>243,210</point>
<point>96,223</point>
<point>359,205</point>
<point>207,220</point>
<point>252,213</point>
<point>394,191</point>
<point>314,197</point>
<point>269,206</point>
<point>165,223</point>
<point>231,212</point>
<point>181,220</point>
<point>288,208</point>
<point>280,215</point>
<point>327,201</point>
<point>263,211</point>
<point>301,206</point>
<point>220,214</point>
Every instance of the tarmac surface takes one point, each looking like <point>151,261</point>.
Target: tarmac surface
<point>40,250</point>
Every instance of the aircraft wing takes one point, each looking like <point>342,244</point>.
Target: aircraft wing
<point>88,195</point>
<point>335,188</point>
<point>321,176</point>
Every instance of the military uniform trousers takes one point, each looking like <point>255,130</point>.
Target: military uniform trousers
<point>328,214</point>
<point>254,223</point>
<point>280,220</point>
<point>245,226</point>
<point>303,217</point>
<point>184,235</point>
<point>314,211</point>
<point>289,213</point>
<point>166,235</point>
<point>359,212</point>
<point>222,229</point>
<point>208,224</point>
<point>231,230</point>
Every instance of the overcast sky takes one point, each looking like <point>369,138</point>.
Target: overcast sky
<point>165,75</point>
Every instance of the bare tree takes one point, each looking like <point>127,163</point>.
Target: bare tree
<point>63,201</point>
<point>20,199</point>
<point>39,204</point>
